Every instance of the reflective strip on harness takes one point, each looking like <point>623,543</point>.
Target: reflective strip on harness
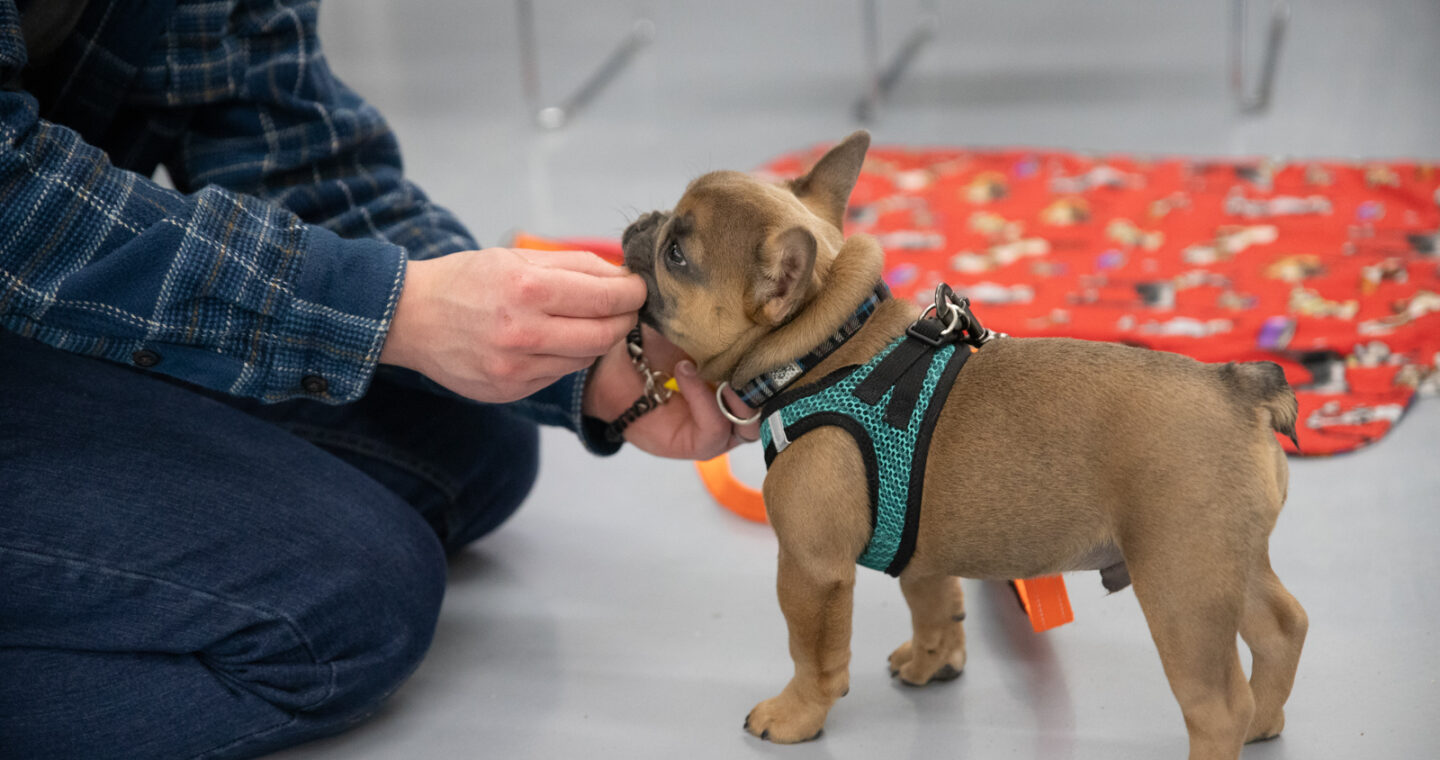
<point>777,432</point>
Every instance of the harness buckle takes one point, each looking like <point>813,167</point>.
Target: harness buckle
<point>934,337</point>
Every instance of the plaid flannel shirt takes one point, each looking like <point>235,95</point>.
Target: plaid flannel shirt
<point>273,270</point>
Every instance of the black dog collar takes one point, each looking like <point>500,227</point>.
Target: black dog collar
<point>759,390</point>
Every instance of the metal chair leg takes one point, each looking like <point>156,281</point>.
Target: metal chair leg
<point>880,80</point>
<point>556,116</point>
<point>1259,99</point>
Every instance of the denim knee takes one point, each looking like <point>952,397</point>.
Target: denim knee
<point>386,619</point>
<point>348,627</point>
<point>192,558</point>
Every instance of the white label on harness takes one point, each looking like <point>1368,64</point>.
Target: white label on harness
<point>777,432</point>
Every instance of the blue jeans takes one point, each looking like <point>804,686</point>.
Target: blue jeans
<point>185,576</point>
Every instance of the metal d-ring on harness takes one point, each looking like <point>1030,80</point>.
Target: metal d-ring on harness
<point>957,317</point>
<point>889,406</point>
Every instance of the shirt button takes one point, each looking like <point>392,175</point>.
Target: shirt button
<point>314,385</point>
<point>145,358</point>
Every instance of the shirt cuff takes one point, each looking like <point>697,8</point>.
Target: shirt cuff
<point>327,339</point>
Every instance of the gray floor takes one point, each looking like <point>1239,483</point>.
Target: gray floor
<point>621,614</point>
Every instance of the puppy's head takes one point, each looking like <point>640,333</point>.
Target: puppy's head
<point>739,257</point>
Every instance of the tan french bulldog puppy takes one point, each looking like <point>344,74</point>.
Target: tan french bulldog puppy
<point>1049,455</point>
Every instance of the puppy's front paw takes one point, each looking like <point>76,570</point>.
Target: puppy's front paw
<point>786,720</point>
<point>917,667</point>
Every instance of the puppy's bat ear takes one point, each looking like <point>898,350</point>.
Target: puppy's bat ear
<point>826,188</point>
<point>786,267</point>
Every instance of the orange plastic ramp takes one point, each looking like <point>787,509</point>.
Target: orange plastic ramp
<point>733,495</point>
<point>1045,601</point>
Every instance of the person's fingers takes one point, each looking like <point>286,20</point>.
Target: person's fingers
<point>576,261</point>
<point>712,430</point>
<point>567,293</point>
<point>568,336</point>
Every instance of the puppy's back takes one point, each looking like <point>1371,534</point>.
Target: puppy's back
<point>1047,441</point>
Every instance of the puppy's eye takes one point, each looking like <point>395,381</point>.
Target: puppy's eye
<point>675,256</point>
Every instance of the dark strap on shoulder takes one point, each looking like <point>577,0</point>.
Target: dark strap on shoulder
<point>905,371</point>
<point>911,531</point>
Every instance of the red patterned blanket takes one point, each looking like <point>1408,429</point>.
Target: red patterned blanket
<point>1330,269</point>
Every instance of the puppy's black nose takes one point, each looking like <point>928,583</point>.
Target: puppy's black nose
<point>640,226</point>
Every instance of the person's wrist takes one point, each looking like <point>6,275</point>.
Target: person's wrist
<point>399,339</point>
<point>611,385</point>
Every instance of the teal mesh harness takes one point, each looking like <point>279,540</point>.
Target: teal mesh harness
<point>889,405</point>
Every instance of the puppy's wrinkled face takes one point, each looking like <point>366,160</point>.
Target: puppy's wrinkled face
<point>737,257</point>
<point>703,262</point>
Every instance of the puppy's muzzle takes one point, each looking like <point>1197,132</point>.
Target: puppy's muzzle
<point>638,243</point>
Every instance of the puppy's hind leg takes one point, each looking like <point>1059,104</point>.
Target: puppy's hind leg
<point>936,651</point>
<point>1273,626</point>
<point>1192,597</point>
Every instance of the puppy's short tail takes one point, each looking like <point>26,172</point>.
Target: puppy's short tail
<point>1263,384</point>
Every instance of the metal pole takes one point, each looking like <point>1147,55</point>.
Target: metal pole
<point>1259,99</point>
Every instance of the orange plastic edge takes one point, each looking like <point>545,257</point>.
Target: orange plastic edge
<point>1045,601</point>
<point>733,495</point>
<point>605,248</point>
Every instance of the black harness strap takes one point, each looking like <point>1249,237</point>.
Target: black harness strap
<point>904,371</point>
<point>918,467</point>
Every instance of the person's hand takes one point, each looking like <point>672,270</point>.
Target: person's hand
<point>499,324</point>
<point>688,426</point>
